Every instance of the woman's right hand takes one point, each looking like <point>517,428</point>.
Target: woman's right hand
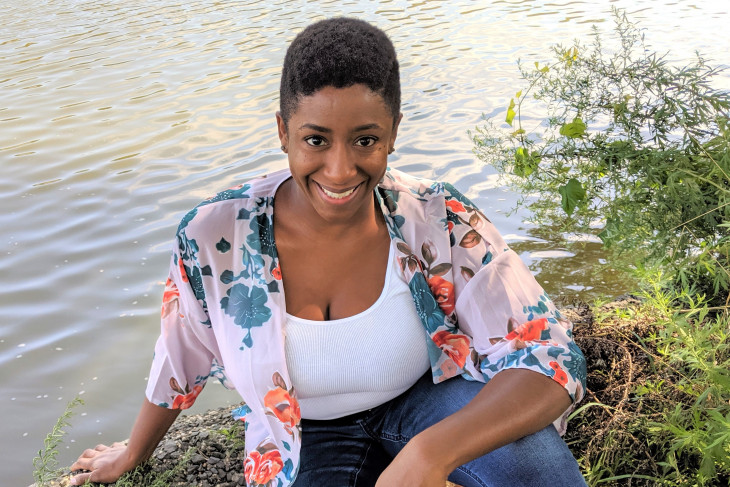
<point>104,464</point>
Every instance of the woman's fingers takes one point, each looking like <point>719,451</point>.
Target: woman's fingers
<point>101,447</point>
<point>82,464</point>
<point>80,479</point>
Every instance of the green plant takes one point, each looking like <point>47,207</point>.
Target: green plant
<point>45,465</point>
<point>629,143</point>
<point>235,435</point>
<point>696,432</point>
<point>659,389</point>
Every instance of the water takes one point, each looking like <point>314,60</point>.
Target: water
<point>116,117</point>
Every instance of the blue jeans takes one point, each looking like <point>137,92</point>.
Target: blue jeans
<point>354,450</point>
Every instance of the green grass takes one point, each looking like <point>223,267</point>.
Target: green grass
<point>45,465</point>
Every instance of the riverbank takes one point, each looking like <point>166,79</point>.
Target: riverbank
<point>208,449</point>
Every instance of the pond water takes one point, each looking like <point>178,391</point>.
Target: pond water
<point>117,116</point>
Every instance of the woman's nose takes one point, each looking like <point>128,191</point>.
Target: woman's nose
<point>340,164</point>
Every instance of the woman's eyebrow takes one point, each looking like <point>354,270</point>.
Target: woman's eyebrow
<point>367,127</point>
<point>319,128</point>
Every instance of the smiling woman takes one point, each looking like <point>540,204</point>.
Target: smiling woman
<point>411,345</point>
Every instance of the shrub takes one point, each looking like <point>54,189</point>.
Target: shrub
<point>631,144</point>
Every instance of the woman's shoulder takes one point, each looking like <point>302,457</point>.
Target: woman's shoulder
<point>422,189</point>
<point>239,202</point>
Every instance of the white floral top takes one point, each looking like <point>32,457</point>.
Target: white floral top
<point>223,308</point>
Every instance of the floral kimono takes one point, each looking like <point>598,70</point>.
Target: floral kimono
<point>223,308</point>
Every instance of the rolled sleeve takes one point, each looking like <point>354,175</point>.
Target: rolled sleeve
<point>184,352</point>
<point>516,326</point>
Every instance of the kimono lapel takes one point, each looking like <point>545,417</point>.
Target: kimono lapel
<point>415,213</point>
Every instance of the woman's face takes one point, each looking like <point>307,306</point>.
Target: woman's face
<point>338,141</point>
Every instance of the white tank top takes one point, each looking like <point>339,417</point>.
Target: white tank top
<point>345,366</point>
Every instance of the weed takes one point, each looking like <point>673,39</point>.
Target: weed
<point>45,465</point>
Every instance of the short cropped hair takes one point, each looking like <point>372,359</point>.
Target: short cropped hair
<point>339,52</point>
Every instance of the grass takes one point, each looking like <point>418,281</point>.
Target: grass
<point>658,407</point>
<point>45,465</point>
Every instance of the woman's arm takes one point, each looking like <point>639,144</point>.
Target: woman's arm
<point>107,463</point>
<point>513,404</point>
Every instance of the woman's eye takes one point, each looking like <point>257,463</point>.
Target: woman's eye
<point>315,140</point>
<point>366,141</point>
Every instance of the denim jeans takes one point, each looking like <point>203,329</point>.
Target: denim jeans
<point>354,450</point>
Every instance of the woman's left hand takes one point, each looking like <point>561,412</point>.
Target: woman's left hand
<point>412,468</point>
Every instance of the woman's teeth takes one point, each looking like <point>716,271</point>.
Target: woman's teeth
<point>338,196</point>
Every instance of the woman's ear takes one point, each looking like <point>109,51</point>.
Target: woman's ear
<point>281,126</point>
<point>394,134</point>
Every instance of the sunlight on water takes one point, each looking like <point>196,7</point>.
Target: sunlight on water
<point>116,117</point>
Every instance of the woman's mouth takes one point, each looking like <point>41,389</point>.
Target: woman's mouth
<point>338,197</point>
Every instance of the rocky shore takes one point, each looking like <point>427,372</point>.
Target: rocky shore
<point>207,449</point>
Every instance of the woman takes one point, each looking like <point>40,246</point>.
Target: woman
<point>370,258</point>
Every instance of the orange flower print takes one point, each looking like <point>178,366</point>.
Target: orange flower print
<point>184,401</point>
<point>284,406</point>
<point>250,465</point>
<point>528,331</point>
<point>183,274</point>
<point>455,346</point>
<point>443,291</point>
<point>560,376</point>
<point>455,206</point>
<point>449,368</point>
<point>169,298</point>
<point>261,469</point>
<point>276,273</point>
<point>271,464</point>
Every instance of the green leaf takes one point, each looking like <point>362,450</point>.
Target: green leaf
<point>574,129</point>
<point>510,112</point>
<point>609,232</point>
<point>525,163</point>
<point>518,94</point>
<point>572,194</point>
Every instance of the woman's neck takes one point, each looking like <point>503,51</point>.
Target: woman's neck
<point>298,217</point>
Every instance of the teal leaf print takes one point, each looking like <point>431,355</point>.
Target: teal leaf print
<point>228,194</point>
<point>426,306</point>
<point>187,219</point>
<point>261,237</point>
<point>223,246</point>
<point>196,282</point>
<point>247,307</point>
<point>227,277</point>
<point>206,271</point>
<point>288,469</point>
<point>576,366</point>
<point>243,214</point>
<point>390,199</point>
